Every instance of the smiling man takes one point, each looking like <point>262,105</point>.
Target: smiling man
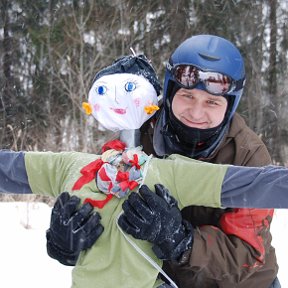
<point>204,82</point>
<point>199,109</point>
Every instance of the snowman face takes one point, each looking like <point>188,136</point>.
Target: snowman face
<point>118,101</point>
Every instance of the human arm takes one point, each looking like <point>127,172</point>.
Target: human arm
<point>225,246</point>
<point>218,258</point>
<point>230,250</point>
<point>249,228</point>
<point>242,239</point>
<point>148,219</point>
<point>155,217</point>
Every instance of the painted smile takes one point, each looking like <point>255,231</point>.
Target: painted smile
<point>120,111</point>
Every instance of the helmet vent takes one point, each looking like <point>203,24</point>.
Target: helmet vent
<point>209,57</point>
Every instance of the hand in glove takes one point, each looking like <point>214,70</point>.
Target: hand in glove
<point>71,230</point>
<point>155,217</point>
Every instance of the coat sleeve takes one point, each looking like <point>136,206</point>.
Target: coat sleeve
<point>253,225</point>
<point>234,250</point>
<point>13,174</point>
<point>247,187</point>
<point>240,244</point>
<point>237,186</point>
<point>50,173</point>
<point>221,257</point>
<point>178,174</point>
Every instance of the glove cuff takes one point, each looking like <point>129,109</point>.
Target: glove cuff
<point>164,251</point>
<point>67,258</point>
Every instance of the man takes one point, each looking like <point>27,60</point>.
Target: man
<point>198,120</point>
<point>228,247</point>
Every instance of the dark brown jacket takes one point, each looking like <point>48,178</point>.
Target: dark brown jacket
<point>232,247</point>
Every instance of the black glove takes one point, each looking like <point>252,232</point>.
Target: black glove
<point>71,230</point>
<point>156,217</point>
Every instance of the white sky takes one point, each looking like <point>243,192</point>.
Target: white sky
<point>24,262</point>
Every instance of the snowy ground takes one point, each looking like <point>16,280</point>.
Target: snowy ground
<point>24,262</point>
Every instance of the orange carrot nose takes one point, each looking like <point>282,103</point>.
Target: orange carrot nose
<point>87,107</point>
<point>151,108</point>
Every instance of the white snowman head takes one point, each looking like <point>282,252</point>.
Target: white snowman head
<point>124,95</point>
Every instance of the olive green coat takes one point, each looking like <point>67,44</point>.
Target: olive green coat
<point>112,261</point>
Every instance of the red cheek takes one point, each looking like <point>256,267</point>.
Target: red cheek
<point>97,107</point>
<point>137,102</point>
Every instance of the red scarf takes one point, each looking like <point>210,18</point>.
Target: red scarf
<point>89,173</point>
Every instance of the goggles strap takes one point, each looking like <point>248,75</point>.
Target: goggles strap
<point>239,84</point>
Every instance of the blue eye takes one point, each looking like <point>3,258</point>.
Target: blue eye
<point>101,90</point>
<point>130,86</point>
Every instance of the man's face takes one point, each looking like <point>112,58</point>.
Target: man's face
<point>199,109</point>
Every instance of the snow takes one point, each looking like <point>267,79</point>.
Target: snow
<point>24,262</point>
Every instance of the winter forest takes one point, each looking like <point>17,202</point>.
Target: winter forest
<point>51,50</point>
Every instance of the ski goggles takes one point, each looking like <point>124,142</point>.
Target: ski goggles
<point>188,76</point>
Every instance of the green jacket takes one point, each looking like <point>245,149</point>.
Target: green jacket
<point>112,261</point>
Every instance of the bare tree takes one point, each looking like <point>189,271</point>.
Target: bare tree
<point>51,50</point>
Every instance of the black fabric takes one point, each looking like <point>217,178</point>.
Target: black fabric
<point>138,65</point>
<point>155,217</point>
<point>165,286</point>
<point>166,141</point>
<point>68,258</point>
<point>195,138</point>
<point>72,229</point>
